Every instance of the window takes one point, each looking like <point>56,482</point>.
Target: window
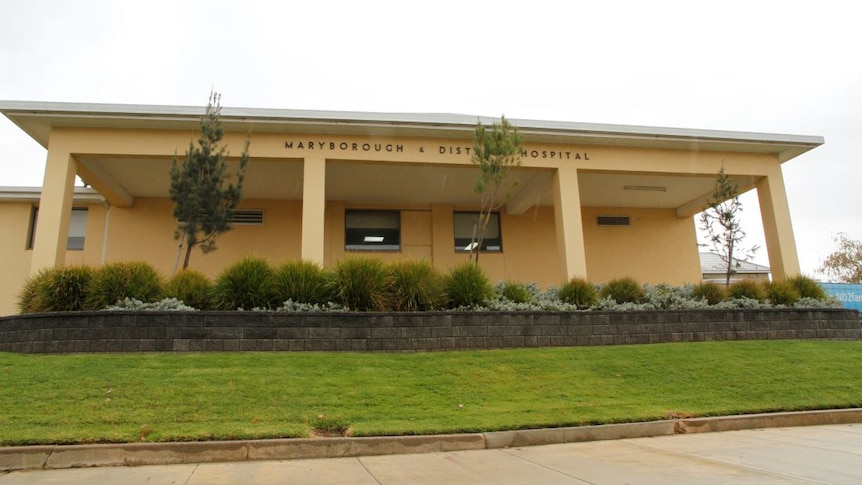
<point>464,224</point>
<point>372,230</point>
<point>77,229</point>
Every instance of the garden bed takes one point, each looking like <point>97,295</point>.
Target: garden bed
<point>147,331</point>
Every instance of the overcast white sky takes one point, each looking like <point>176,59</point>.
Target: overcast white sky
<point>765,66</point>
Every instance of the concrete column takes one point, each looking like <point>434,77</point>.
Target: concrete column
<point>570,228</point>
<point>780,243</point>
<point>313,208</point>
<point>55,211</point>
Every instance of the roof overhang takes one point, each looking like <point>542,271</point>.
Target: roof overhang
<point>38,118</point>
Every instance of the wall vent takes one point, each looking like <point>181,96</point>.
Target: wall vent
<point>248,217</point>
<point>614,221</point>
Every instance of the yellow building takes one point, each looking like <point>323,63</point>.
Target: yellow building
<point>597,201</point>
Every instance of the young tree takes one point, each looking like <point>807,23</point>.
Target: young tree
<point>495,152</point>
<point>203,195</point>
<point>845,263</point>
<point>721,222</point>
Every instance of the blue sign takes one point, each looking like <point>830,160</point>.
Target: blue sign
<point>848,294</point>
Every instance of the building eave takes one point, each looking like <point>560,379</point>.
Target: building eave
<point>37,118</point>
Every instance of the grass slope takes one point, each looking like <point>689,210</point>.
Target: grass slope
<point>160,397</point>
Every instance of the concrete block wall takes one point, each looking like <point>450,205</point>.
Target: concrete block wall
<point>398,332</point>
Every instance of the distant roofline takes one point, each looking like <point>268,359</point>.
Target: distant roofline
<point>748,267</point>
<point>34,194</point>
<point>37,117</point>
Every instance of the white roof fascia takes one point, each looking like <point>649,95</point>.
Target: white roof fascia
<point>422,124</point>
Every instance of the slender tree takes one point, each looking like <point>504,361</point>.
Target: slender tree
<point>845,263</point>
<point>721,222</point>
<point>204,196</point>
<point>495,152</point>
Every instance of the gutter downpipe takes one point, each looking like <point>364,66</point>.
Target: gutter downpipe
<point>105,235</point>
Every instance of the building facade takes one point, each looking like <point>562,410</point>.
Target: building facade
<point>596,201</point>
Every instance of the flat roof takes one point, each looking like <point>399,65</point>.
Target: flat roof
<point>37,118</point>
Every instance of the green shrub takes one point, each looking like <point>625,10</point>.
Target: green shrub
<point>65,290</point>
<point>467,286</point>
<point>191,287</point>
<point>362,284</point>
<point>246,284</point>
<point>515,292</point>
<point>302,282</point>
<point>746,289</point>
<point>710,292</point>
<point>29,299</point>
<point>578,292</point>
<point>116,281</point>
<point>416,286</point>
<point>807,287</point>
<point>623,290</point>
<point>781,293</point>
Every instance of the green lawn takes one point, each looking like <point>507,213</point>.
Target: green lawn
<point>113,397</point>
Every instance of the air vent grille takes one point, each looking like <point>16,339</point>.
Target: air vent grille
<point>248,217</point>
<point>614,221</point>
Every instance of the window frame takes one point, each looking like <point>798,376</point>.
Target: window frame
<point>357,238</point>
<point>488,245</point>
<point>34,219</point>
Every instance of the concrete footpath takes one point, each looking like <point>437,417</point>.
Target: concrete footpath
<point>814,447</point>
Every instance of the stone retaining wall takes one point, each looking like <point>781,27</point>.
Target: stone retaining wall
<point>373,332</point>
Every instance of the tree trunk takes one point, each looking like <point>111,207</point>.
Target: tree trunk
<point>188,255</point>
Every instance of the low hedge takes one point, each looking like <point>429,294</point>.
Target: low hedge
<point>368,284</point>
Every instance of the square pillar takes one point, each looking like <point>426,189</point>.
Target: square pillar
<point>313,208</point>
<point>777,229</point>
<point>569,223</point>
<point>55,211</point>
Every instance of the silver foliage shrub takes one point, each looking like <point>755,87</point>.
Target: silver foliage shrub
<point>165,305</point>
<point>293,306</point>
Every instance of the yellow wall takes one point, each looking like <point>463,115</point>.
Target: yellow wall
<point>15,218</point>
<point>657,247</point>
<point>15,260</point>
<point>146,232</point>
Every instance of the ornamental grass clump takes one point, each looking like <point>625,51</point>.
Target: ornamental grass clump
<point>578,292</point>
<point>515,292</point>
<point>781,293</point>
<point>416,286</point>
<point>62,289</point>
<point>65,289</point>
<point>302,282</point>
<point>246,284</point>
<point>710,292</point>
<point>191,287</point>
<point>807,287</point>
<point>362,284</point>
<point>29,297</point>
<point>117,281</point>
<point>623,290</point>
<point>467,286</point>
<point>746,289</point>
